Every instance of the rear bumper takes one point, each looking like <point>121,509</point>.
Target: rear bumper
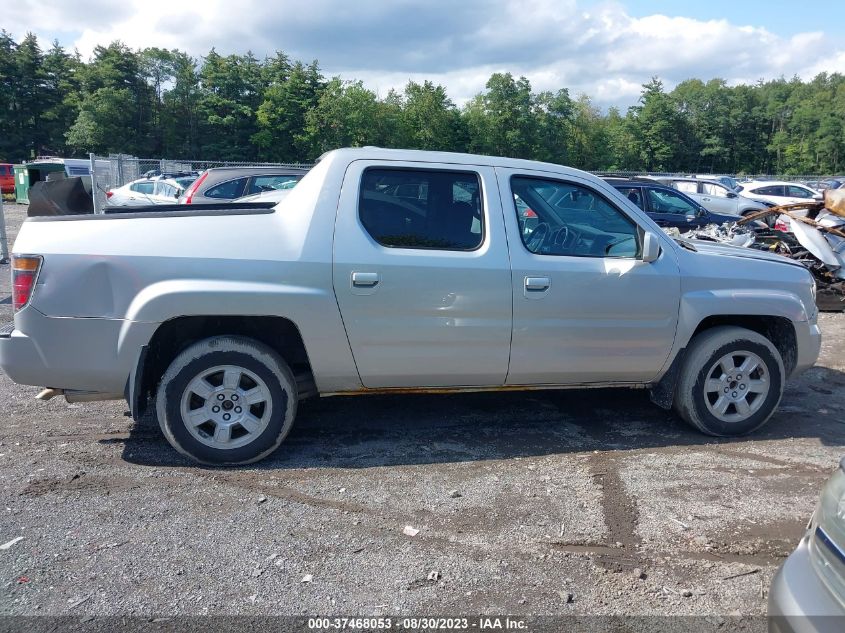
<point>71,353</point>
<point>799,602</point>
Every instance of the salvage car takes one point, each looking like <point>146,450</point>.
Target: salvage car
<point>808,591</point>
<point>144,191</point>
<point>777,192</point>
<point>225,184</point>
<point>667,206</point>
<point>218,320</point>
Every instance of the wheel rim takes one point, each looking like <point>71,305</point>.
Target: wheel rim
<point>226,407</point>
<point>736,386</point>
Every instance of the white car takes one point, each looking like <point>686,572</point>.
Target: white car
<point>149,191</point>
<point>777,192</point>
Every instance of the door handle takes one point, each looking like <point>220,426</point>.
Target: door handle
<point>364,280</point>
<point>537,283</point>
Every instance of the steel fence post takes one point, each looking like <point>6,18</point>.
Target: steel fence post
<point>94,186</point>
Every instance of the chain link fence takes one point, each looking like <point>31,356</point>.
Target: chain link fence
<point>115,170</point>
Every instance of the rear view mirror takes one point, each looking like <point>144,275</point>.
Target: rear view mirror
<point>651,247</point>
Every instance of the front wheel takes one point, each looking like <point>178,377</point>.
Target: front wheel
<point>731,381</point>
<point>226,400</point>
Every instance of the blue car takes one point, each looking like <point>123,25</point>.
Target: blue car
<point>668,206</point>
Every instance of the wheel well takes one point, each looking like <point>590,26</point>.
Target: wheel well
<point>779,330</point>
<point>175,335</point>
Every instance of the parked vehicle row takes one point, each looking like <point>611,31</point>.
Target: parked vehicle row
<point>223,184</point>
<point>667,206</point>
<point>218,184</point>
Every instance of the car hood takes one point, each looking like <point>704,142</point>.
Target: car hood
<point>705,247</point>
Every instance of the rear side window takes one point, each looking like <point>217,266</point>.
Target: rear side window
<point>798,192</point>
<point>686,186</point>
<point>422,208</point>
<point>769,191</point>
<point>259,184</point>
<point>228,190</point>
<point>633,194</point>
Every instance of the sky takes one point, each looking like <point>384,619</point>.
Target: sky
<point>605,49</point>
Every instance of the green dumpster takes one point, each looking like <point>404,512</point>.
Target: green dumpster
<point>21,184</point>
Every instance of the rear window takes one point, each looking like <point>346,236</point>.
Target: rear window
<point>422,208</point>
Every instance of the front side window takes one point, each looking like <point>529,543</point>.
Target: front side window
<point>421,208</point>
<point>667,201</point>
<point>228,190</point>
<point>712,189</point>
<point>571,220</point>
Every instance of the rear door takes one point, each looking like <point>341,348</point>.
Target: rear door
<point>421,274</point>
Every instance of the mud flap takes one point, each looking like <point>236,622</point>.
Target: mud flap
<point>662,393</point>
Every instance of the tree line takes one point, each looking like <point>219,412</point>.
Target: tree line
<point>165,103</point>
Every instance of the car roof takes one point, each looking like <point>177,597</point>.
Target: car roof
<point>263,169</point>
<point>770,182</point>
<point>618,181</point>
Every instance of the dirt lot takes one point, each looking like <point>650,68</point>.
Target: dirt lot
<point>588,502</point>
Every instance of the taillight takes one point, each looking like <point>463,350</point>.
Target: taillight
<point>109,194</point>
<point>189,194</point>
<point>24,274</point>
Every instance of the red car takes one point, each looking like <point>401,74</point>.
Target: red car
<point>7,178</point>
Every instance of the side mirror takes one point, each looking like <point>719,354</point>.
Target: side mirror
<point>651,247</point>
<point>732,194</point>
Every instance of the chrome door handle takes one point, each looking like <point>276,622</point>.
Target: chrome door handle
<point>364,280</point>
<point>537,283</point>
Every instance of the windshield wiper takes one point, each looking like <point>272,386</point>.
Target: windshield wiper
<point>685,244</point>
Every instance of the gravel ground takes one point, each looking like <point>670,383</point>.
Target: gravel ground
<point>577,502</point>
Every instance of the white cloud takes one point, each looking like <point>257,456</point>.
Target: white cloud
<point>597,49</point>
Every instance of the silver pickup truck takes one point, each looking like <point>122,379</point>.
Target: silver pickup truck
<point>391,271</point>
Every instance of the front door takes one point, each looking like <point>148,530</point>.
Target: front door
<point>669,208</point>
<point>587,309</point>
<point>421,274</point>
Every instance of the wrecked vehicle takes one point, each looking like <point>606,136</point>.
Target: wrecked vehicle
<point>391,271</point>
<point>811,233</point>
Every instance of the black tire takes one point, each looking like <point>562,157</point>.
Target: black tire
<point>261,368</point>
<point>705,351</point>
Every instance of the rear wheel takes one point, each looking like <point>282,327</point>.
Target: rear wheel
<point>731,381</point>
<point>227,400</point>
